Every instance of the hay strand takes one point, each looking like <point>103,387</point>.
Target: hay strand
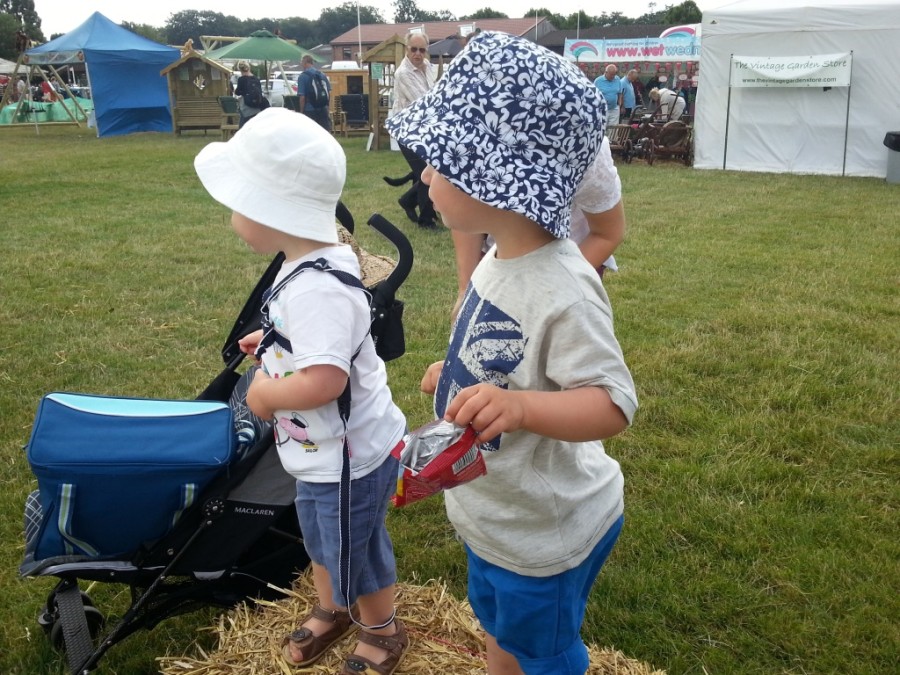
<point>445,639</point>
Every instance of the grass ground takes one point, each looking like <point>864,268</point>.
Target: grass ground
<point>759,315</point>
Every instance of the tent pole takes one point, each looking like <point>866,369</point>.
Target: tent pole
<point>87,74</point>
<point>359,54</point>
<point>37,131</point>
<point>847,117</point>
<point>727,110</point>
<point>14,81</point>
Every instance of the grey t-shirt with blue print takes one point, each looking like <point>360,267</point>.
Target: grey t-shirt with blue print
<point>537,322</point>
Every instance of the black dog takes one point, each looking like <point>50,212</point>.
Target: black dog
<point>397,182</point>
<point>409,198</point>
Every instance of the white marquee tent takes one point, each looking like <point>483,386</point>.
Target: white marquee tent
<point>803,129</point>
<point>7,67</point>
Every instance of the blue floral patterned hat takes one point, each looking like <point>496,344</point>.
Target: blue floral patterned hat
<point>511,124</point>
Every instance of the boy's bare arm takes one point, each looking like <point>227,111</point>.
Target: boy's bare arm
<point>607,230</point>
<point>583,414</point>
<point>306,389</point>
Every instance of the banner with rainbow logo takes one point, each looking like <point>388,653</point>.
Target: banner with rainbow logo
<point>678,43</point>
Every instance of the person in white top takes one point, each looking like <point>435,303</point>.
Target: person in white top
<point>669,105</point>
<point>413,78</point>
<point>22,89</point>
<point>282,176</point>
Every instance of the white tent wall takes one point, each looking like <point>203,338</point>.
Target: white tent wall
<point>799,130</point>
<point>8,67</point>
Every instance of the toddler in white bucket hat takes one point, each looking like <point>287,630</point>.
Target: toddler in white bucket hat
<point>280,173</point>
<point>282,176</point>
<point>533,364</point>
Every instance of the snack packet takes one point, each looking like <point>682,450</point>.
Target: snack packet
<point>436,456</point>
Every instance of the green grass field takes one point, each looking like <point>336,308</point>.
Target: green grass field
<point>758,313</point>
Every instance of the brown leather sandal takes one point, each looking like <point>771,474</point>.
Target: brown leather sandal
<point>396,646</point>
<point>313,647</point>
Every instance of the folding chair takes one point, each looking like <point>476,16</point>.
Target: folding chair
<point>230,116</point>
<point>356,109</point>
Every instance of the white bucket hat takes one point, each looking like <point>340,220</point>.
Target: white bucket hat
<point>282,170</point>
<point>511,124</point>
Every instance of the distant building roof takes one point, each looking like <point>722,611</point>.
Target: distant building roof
<point>438,30</point>
<point>447,47</point>
<point>556,40</point>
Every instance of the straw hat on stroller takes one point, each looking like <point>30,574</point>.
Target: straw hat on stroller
<point>373,268</point>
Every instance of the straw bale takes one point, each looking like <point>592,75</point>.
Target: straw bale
<point>445,639</point>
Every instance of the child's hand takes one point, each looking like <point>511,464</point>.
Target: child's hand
<point>489,409</point>
<point>429,382</point>
<point>249,343</point>
<point>254,396</point>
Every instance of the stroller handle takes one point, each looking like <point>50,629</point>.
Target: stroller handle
<point>389,231</point>
<point>249,318</point>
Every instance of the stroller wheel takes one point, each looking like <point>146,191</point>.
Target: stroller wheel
<point>49,620</point>
<point>95,621</point>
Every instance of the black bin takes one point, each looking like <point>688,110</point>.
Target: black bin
<point>892,143</point>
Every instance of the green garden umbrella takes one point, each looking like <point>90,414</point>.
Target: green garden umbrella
<point>261,45</point>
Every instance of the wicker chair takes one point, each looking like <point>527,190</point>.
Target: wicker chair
<point>619,136</point>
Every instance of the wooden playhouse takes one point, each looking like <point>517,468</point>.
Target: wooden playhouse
<point>195,85</point>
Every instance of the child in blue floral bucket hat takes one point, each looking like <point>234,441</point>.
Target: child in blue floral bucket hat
<point>533,364</point>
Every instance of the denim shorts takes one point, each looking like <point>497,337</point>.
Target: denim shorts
<point>538,619</point>
<point>372,565</point>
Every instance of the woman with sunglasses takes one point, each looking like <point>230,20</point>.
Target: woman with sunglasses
<point>413,78</point>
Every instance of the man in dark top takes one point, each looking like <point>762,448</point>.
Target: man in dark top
<point>310,78</point>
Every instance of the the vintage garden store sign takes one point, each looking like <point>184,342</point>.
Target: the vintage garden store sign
<point>782,72</point>
<point>824,70</point>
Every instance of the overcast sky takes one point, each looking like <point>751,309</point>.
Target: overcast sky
<point>61,16</point>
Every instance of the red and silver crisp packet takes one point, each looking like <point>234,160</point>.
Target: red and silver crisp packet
<point>436,456</point>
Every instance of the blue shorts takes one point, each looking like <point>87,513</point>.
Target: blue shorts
<point>372,565</point>
<point>538,619</point>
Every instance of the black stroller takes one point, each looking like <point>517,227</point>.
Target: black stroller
<point>239,539</point>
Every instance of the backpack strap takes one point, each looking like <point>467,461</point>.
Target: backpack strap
<point>272,336</point>
<point>319,89</point>
<point>344,507</point>
<point>343,403</point>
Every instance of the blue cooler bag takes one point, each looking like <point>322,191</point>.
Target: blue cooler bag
<point>114,473</point>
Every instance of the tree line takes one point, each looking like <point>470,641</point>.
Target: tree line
<point>191,24</point>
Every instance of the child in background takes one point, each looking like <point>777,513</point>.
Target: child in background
<point>282,176</point>
<point>533,364</point>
